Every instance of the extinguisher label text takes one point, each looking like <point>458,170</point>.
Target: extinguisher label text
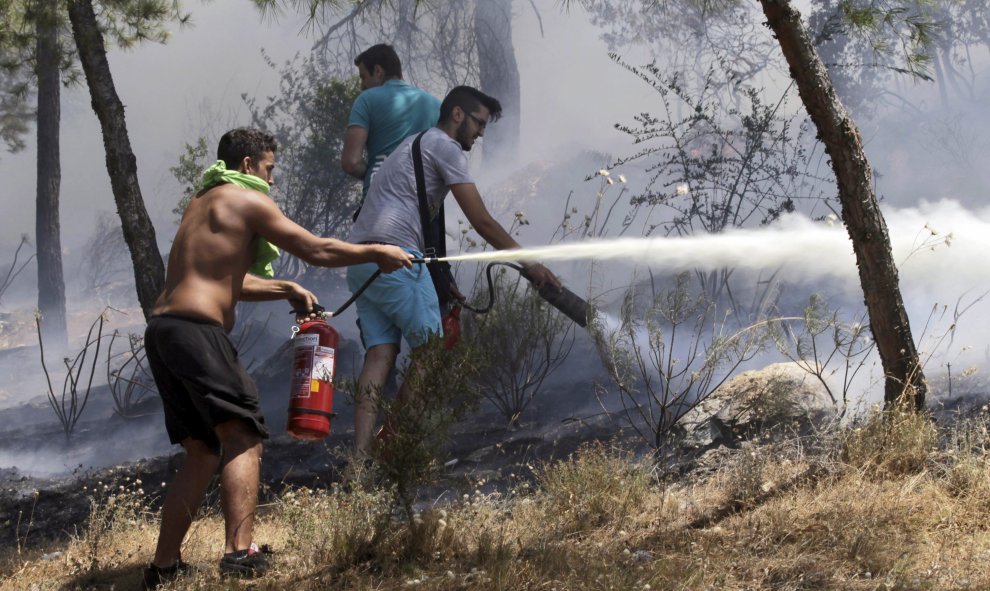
<point>323,359</point>
<point>304,348</point>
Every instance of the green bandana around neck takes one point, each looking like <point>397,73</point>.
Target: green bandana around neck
<point>266,251</point>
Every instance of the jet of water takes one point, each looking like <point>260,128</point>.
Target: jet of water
<point>798,243</point>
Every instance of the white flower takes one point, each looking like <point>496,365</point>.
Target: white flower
<point>622,178</point>
<point>682,189</point>
<point>603,172</point>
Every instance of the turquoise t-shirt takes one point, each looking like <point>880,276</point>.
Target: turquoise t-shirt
<point>391,113</point>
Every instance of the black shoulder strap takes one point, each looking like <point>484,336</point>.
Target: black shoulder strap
<point>432,229</point>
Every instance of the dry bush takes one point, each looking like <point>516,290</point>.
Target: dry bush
<point>128,375</point>
<point>596,521</point>
<point>748,477</point>
<point>890,442</point>
<point>333,529</point>
<point>596,487</point>
<point>115,507</point>
<point>77,386</point>
<point>525,339</point>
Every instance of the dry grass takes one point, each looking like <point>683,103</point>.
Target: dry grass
<point>891,504</point>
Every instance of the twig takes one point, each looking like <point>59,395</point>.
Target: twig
<point>14,270</point>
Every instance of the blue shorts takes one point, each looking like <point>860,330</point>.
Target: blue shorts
<point>399,305</point>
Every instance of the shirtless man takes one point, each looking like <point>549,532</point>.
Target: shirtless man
<point>211,403</point>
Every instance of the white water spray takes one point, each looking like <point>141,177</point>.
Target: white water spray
<point>799,243</point>
<point>941,243</point>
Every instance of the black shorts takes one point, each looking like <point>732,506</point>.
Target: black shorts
<point>200,378</point>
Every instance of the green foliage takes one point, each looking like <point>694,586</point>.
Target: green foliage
<point>196,158</point>
<point>129,22</point>
<point>124,23</point>
<point>15,111</point>
<point>307,118</point>
<point>443,387</point>
<point>865,42</point>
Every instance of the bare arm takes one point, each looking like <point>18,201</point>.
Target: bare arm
<point>469,199</point>
<point>256,289</point>
<point>265,218</point>
<point>352,155</point>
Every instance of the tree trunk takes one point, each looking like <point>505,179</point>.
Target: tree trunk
<point>499,76</point>
<point>860,209</point>
<point>51,284</point>
<point>139,233</point>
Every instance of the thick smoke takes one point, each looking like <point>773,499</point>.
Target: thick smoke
<point>572,96</point>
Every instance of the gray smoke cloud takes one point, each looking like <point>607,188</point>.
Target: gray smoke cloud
<point>572,96</point>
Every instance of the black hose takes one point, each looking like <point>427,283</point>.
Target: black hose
<point>561,298</point>
<point>488,274</point>
<point>357,293</point>
<point>318,309</point>
<point>491,286</point>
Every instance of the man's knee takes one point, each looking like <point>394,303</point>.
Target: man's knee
<point>237,435</point>
<point>200,452</point>
<point>382,356</point>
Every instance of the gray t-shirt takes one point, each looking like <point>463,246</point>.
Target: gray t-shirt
<point>390,214</point>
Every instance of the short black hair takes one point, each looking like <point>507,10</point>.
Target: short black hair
<point>469,99</point>
<point>380,55</point>
<point>244,141</point>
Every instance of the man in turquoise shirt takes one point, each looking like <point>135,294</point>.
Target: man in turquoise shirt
<point>387,112</point>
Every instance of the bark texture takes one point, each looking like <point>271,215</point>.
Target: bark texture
<point>139,233</point>
<point>860,209</point>
<point>51,283</point>
<point>499,76</point>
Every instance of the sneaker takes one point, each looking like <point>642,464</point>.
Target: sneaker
<point>156,576</point>
<point>246,564</point>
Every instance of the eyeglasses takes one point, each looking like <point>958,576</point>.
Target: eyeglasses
<point>481,122</point>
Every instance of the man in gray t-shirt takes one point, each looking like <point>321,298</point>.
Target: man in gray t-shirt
<point>393,211</point>
<point>403,305</point>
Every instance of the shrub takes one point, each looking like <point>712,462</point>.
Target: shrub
<point>595,487</point>
<point>890,442</point>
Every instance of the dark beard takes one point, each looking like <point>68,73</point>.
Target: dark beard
<point>462,136</point>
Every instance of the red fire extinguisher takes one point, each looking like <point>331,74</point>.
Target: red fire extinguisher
<point>451,323</point>
<point>311,392</point>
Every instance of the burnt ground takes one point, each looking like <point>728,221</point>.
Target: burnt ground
<point>46,496</point>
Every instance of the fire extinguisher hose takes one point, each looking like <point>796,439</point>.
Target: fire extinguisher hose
<point>484,310</point>
<point>491,286</point>
<point>563,299</point>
